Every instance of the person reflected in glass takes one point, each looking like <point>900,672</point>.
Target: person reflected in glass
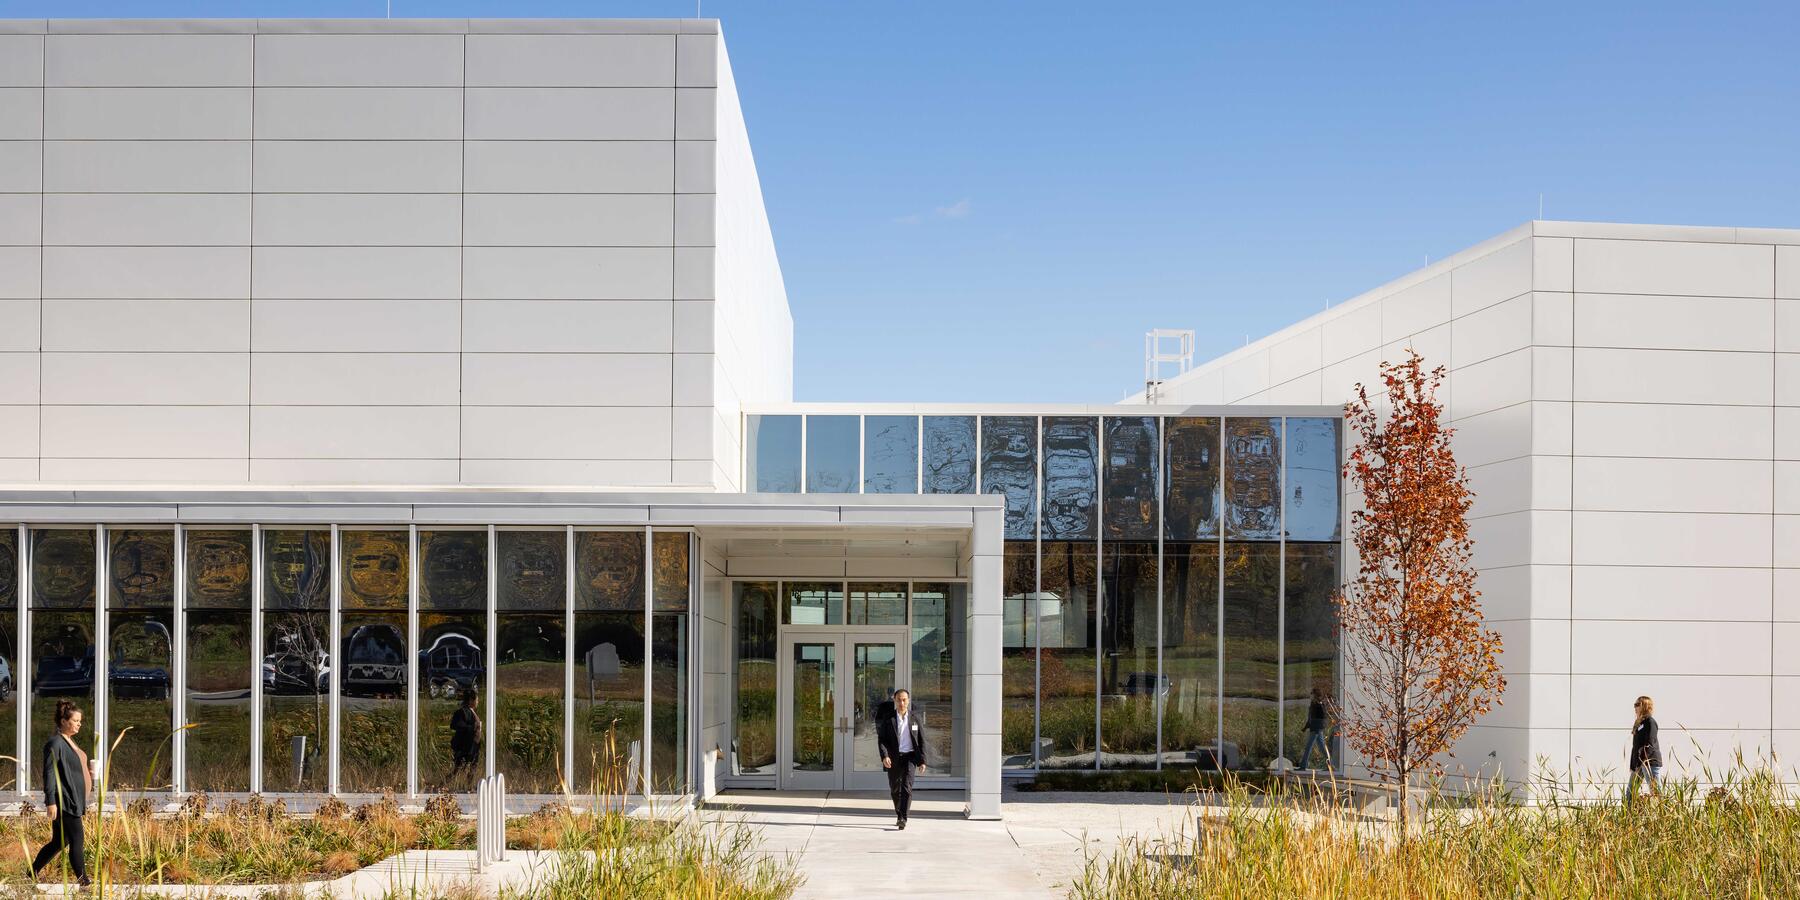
<point>67,782</point>
<point>900,734</point>
<point>1645,758</point>
<point>1315,729</point>
<point>465,737</point>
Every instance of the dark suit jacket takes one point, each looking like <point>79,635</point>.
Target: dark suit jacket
<point>887,733</point>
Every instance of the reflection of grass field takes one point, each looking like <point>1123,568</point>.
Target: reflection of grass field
<point>218,747</point>
<point>528,728</point>
<point>131,760</point>
<point>435,758</point>
<point>372,757</point>
<point>284,718</point>
<point>604,732</point>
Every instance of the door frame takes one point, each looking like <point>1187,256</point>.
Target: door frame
<point>842,776</point>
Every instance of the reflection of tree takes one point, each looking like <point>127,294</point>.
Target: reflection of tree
<point>949,457</point>
<point>302,641</point>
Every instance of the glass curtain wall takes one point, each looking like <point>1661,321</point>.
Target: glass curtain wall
<point>376,581</point>
<point>219,668</point>
<point>1168,580</point>
<point>669,661</point>
<point>530,659</point>
<point>9,655</point>
<point>609,661</point>
<point>452,657</point>
<point>938,614</point>
<point>64,578</point>
<point>753,705</point>
<point>297,662</point>
<point>140,599</point>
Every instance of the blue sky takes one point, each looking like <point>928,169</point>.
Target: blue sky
<point>993,201</point>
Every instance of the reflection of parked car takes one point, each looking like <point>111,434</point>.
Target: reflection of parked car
<point>6,682</point>
<point>290,670</point>
<point>65,662</point>
<point>452,664</point>
<point>1146,683</point>
<point>139,665</point>
<point>374,661</point>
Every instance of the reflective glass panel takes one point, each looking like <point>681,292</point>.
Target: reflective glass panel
<point>949,455</point>
<point>1132,691</point>
<point>670,572</point>
<point>219,670</point>
<point>668,702</point>
<point>453,569</point>
<point>1132,447</point>
<point>372,755</point>
<point>528,705</point>
<point>1252,607</point>
<point>753,732</point>
<point>938,614</point>
<point>533,570</point>
<point>296,684</point>
<point>874,673</point>
<point>609,700</point>
<point>833,444</point>
<point>452,663</point>
<point>878,603</point>
<point>140,591</point>
<point>1253,479</point>
<point>297,568</point>
<point>813,603</point>
<point>62,653</point>
<point>815,707</point>
<point>1312,480</point>
<point>890,454</point>
<point>374,566</point>
<point>772,454</point>
<point>9,661</point>
<point>63,567</point>
<point>1191,479</point>
<point>9,697</point>
<point>1018,656</point>
<point>218,569</point>
<point>1071,477</point>
<point>609,570</point>
<point>1190,614</point>
<point>1066,619</point>
<point>1310,655</point>
<point>140,569</point>
<point>1009,467</point>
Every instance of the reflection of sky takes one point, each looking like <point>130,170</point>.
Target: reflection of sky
<point>831,450</point>
<point>891,455</point>
<point>1312,480</point>
<point>774,450</point>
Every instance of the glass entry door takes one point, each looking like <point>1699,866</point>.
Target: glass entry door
<point>832,685</point>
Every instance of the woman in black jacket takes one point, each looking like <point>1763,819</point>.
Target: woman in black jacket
<point>1645,759</point>
<point>465,737</point>
<point>67,782</point>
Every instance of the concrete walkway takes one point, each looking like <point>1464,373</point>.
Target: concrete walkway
<point>414,874</point>
<point>845,841</point>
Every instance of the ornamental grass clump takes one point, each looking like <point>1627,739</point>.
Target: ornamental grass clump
<point>1739,839</point>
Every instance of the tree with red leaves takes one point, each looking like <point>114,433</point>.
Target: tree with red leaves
<point>1411,629</point>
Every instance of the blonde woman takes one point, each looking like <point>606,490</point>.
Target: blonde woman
<point>1646,752</point>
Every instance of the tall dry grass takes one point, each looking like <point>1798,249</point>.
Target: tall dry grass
<point>1737,837</point>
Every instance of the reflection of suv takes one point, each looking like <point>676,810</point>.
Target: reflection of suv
<point>452,664</point>
<point>6,684</point>
<point>140,660</point>
<point>65,662</point>
<point>374,661</point>
<point>288,671</point>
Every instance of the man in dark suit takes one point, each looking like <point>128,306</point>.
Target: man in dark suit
<point>901,736</point>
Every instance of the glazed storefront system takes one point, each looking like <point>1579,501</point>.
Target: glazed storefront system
<point>332,658</point>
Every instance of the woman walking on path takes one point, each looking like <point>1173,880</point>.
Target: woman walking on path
<point>465,737</point>
<point>67,782</point>
<point>1646,752</point>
